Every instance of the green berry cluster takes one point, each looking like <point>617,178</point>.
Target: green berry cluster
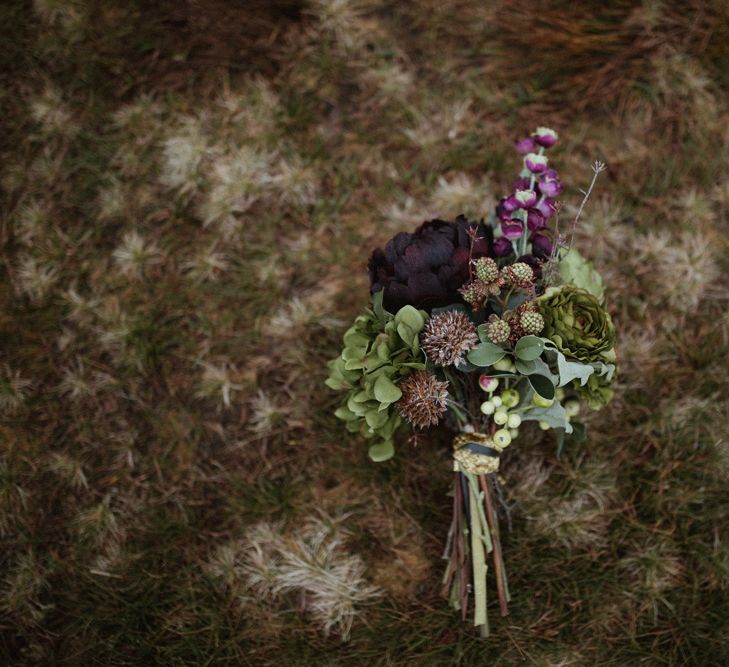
<point>519,274</point>
<point>498,331</point>
<point>487,270</point>
<point>532,322</point>
<point>497,407</point>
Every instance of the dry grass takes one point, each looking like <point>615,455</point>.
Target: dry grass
<point>190,191</point>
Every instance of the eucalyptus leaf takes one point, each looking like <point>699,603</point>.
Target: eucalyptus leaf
<point>486,354</point>
<point>465,366</point>
<point>525,367</point>
<point>382,451</point>
<point>528,348</point>
<point>515,300</point>
<point>543,369</point>
<point>542,385</point>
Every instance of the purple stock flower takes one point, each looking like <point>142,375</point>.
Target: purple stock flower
<point>535,163</point>
<point>521,184</point>
<point>425,269</point>
<point>549,183</point>
<point>535,220</point>
<point>506,206</point>
<point>541,246</point>
<point>512,229</point>
<point>512,203</point>
<point>502,246</point>
<point>526,145</point>
<point>545,136</point>
<point>545,207</point>
<point>525,198</point>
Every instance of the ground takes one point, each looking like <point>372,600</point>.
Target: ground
<point>190,193</point>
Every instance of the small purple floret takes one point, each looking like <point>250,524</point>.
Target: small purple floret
<point>526,145</point>
<point>535,163</point>
<point>512,229</point>
<point>502,247</point>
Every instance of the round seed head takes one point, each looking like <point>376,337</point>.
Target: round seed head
<point>447,337</point>
<point>423,400</point>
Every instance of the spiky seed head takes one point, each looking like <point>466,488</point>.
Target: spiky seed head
<point>447,337</point>
<point>531,322</point>
<point>486,269</point>
<point>498,331</point>
<point>423,399</point>
<point>519,274</point>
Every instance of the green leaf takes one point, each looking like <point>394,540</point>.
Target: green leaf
<point>543,369</point>
<point>554,415</point>
<point>486,354</point>
<point>375,419</point>
<point>602,369</point>
<point>410,316</point>
<point>575,269</point>
<point>377,306</point>
<point>386,391</point>
<point>528,348</point>
<point>392,424</point>
<point>407,334</point>
<point>360,409</point>
<point>542,385</point>
<point>382,451</point>
<point>572,370</point>
<point>344,413</point>
<point>525,367</point>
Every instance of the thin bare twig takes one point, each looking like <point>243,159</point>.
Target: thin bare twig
<point>597,168</point>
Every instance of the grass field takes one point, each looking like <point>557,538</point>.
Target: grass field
<point>190,191</point>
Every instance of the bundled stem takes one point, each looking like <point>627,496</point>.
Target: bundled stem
<point>472,537</point>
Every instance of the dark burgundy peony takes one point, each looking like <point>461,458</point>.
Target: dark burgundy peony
<point>426,268</point>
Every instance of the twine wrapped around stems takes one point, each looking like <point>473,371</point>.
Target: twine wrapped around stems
<point>474,531</point>
<point>475,453</point>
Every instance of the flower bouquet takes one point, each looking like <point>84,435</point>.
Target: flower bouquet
<point>483,325</point>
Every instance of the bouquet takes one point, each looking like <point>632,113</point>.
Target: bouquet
<point>483,325</point>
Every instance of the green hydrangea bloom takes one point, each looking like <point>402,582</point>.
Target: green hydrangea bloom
<point>379,350</point>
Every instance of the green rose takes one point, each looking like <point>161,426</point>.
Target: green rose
<point>577,324</point>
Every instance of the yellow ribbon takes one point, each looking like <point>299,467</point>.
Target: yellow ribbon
<point>469,455</point>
